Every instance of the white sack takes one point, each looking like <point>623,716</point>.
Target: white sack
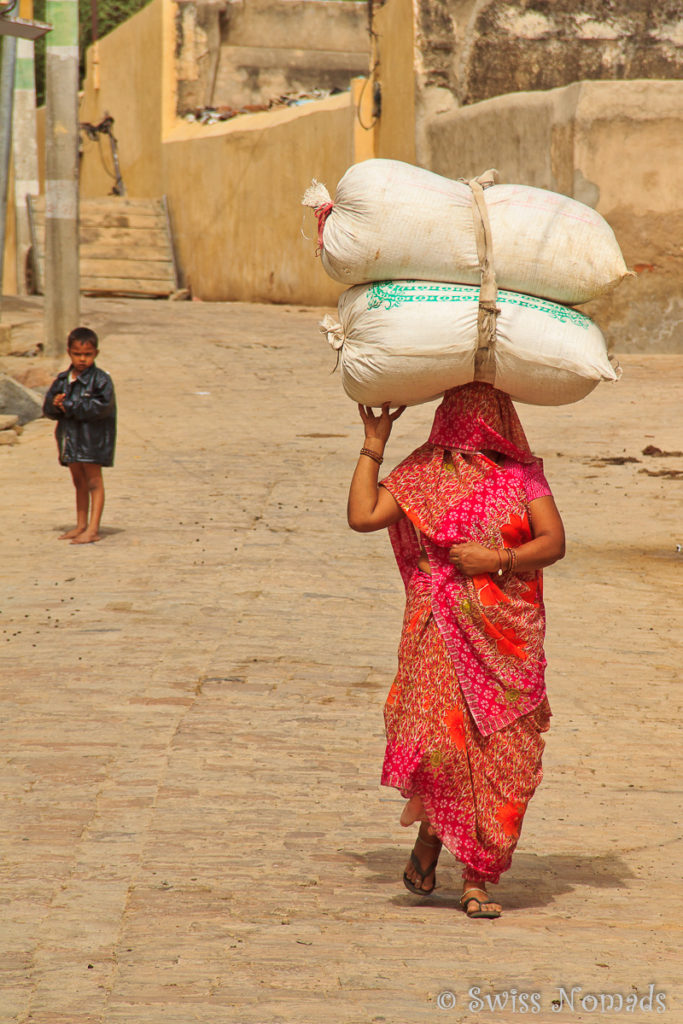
<point>391,220</point>
<point>406,342</point>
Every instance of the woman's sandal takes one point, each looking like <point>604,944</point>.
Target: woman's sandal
<point>467,898</point>
<point>422,873</point>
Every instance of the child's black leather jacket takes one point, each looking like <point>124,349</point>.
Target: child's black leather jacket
<point>86,430</point>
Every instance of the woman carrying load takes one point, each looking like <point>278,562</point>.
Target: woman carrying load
<point>472,522</point>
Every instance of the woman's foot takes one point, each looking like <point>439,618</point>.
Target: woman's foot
<point>420,873</point>
<point>413,811</point>
<point>476,902</point>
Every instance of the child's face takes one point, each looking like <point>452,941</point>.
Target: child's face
<point>82,355</point>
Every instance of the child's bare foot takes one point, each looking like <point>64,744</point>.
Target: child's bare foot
<point>86,538</point>
<point>70,534</point>
<point>413,811</point>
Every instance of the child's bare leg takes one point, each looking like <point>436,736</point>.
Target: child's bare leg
<point>82,501</point>
<point>95,485</point>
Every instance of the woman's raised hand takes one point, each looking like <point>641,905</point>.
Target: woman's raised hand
<point>379,426</point>
<point>372,507</point>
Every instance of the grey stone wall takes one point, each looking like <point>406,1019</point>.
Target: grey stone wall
<point>542,44</point>
<point>478,49</point>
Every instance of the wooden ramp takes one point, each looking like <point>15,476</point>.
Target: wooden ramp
<point>126,247</point>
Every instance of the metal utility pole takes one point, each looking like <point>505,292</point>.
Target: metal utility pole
<point>24,144</point>
<point>62,279</point>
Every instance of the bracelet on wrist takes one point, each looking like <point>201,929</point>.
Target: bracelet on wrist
<point>511,558</point>
<point>375,456</point>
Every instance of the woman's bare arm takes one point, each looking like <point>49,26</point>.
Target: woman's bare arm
<point>546,547</point>
<point>371,507</point>
<point>548,531</point>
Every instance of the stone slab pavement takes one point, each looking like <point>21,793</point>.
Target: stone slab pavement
<point>191,738</point>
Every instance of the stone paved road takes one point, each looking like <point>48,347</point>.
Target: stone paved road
<point>191,737</point>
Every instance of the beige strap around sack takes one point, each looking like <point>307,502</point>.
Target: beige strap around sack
<point>484,364</point>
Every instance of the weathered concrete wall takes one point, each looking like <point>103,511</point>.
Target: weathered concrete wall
<point>253,51</point>
<point>234,188</point>
<point>616,146</point>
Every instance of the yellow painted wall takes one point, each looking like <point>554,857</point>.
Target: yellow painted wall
<point>234,188</point>
<point>131,91</point>
<point>9,267</point>
<point>235,195</point>
<point>363,129</point>
<point>395,53</point>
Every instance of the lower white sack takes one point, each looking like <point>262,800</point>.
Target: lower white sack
<point>406,342</point>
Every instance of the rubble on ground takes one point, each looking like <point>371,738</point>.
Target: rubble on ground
<point>17,400</point>
<point>10,429</point>
<point>212,115</point>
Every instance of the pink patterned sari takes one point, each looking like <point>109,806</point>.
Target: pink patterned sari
<point>465,714</point>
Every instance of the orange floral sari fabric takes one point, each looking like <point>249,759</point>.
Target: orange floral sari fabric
<point>465,714</point>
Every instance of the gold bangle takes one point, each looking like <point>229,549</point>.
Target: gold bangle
<point>372,455</point>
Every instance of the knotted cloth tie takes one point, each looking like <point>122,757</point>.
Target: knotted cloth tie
<point>318,198</point>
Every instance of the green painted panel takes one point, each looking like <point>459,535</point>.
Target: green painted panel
<point>63,16</point>
<point>24,74</point>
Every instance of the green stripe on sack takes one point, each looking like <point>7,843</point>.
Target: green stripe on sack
<point>396,293</point>
<point>553,309</point>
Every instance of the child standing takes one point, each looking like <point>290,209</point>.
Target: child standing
<point>82,401</point>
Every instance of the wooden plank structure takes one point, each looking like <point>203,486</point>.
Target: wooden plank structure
<point>126,247</point>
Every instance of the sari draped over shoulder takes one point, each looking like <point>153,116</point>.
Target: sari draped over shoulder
<point>465,713</point>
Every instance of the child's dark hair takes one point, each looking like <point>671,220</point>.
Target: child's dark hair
<point>82,334</point>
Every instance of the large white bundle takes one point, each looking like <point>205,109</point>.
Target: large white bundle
<point>406,342</point>
<point>392,220</point>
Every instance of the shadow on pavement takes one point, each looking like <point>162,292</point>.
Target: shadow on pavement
<point>538,879</point>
